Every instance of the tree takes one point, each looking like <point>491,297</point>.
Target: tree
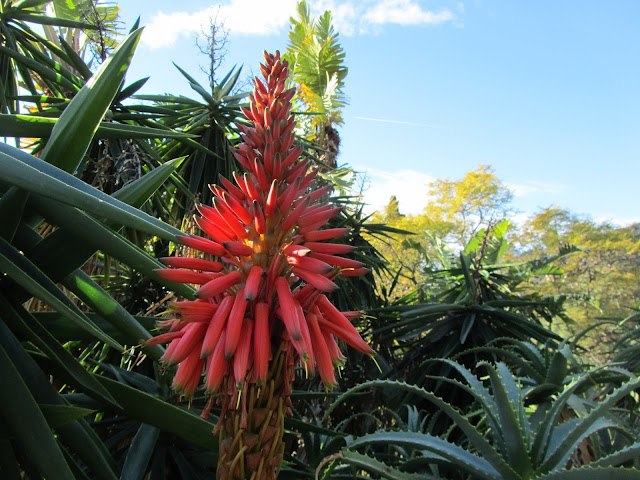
<point>602,277</point>
<point>316,60</point>
<point>455,211</point>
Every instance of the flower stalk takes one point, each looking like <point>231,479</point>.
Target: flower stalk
<point>261,306</point>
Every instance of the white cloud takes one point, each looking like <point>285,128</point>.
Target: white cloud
<point>345,15</point>
<point>354,17</point>
<point>409,186</point>
<point>519,219</point>
<point>404,12</point>
<point>249,17</point>
<point>164,30</point>
<point>532,187</point>
<point>619,221</point>
<point>258,17</point>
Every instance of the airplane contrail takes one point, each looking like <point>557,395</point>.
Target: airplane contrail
<point>398,122</point>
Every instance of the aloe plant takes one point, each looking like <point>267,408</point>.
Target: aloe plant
<point>627,348</point>
<point>475,299</point>
<point>503,438</point>
<point>59,437</point>
<point>211,123</point>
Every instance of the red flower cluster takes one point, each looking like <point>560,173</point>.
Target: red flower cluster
<point>270,261</point>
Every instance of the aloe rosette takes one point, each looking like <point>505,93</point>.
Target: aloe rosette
<point>261,305</point>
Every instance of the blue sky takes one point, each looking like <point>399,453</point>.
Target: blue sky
<point>547,92</point>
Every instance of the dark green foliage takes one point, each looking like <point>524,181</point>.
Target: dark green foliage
<point>469,382</point>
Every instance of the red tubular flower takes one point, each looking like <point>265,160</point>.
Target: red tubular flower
<point>261,307</point>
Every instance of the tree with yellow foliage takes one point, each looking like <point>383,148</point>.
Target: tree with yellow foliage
<point>455,211</point>
<point>604,274</point>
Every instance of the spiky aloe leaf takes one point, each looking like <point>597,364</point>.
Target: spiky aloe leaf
<point>481,394</point>
<point>557,370</point>
<point>557,457</point>
<point>631,452</point>
<point>513,421</point>
<point>374,466</point>
<point>481,444</point>
<point>541,450</point>
<point>457,456</point>
<point>604,473</point>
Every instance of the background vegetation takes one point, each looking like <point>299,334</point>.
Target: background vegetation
<point>504,351</point>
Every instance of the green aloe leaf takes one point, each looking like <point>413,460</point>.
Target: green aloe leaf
<point>467,325</point>
<point>541,449</point>
<point>11,209</point>
<point>196,86</point>
<point>170,99</point>
<point>139,191</point>
<point>42,70</point>
<point>77,436</point>
<point>19,410</point>
<point>512,431</point>
<point>22,4</point>
<point>67,10</point>
<point>157,412</point>
<point>131,89</point>
<point>64,330</point>
<point>47,61</point>
<point>465,265</point>
<point>21,270</point>
<point>475,437</point>
<point>558,456</point>
<point>122,130</point>
<point>8,460</point>
<point>140,452</point>
<point>21,321</point>
<point>630,453</point>
<point>40,127</point>
<point>588,473</point>
<point>72,251</point>
<point>86,229</point>
<point>481,395</point>
<point>557,371</point>
<point>377,467</point>
<point>297,425</point>
<point>69,190</point>
<point>458,456</point>
<point>74,131</point>
<point>75,60</point>
<point>56,21</point>
<point>226,84</point>
<point>104,304</point>
<point>59,415</point>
